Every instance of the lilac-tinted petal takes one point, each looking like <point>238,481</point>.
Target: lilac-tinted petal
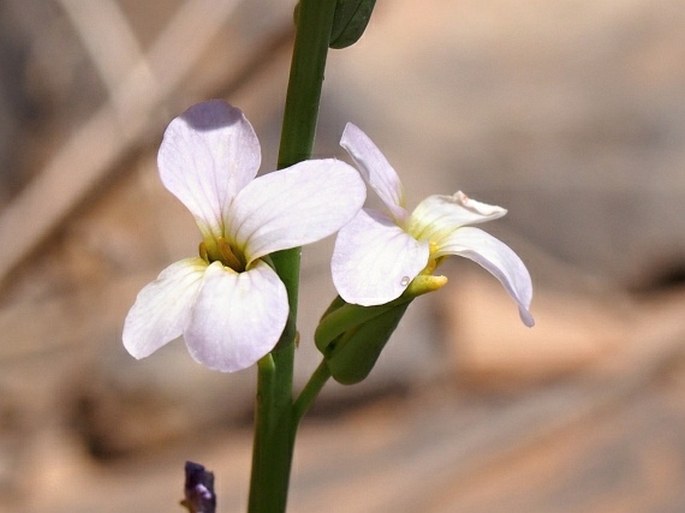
<point>295,206</point>
<point>208,154</point>
<point>375,169</point>
<point>374,260</point>
<point>439,215</point>
<point>496,257</point>
<point>162,308</point>
<point>237,317</point>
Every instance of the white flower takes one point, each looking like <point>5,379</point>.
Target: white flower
<point>378,254</point>
<point>228,303</point>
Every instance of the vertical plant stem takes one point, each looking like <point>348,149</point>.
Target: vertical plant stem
<point>274,427</point>
<point>314,23</point>
<point>273,440</point>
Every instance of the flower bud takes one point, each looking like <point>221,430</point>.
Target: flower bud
<point>355,353</point>
<point>351,337</point>
<point>349,22</point>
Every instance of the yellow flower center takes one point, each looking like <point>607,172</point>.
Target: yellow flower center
<point>219,249</point>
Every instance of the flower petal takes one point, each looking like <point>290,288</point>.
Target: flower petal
<point>237,317</point>
<point>374,259</point>
<point>295,206</point>
<point>208,154</point>
<point>440,215</point>
<point>496,257</point>
<point>375,169</point>
<point>162,308</point>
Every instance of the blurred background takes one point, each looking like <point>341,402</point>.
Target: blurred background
<point>570,113</point>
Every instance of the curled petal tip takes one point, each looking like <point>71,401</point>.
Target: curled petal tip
<point>526,317</point>
<point>478,207</point>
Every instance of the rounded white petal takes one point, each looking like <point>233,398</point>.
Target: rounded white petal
<point>374,259</point>
<point>375,169</point>
<point>237,317</point>
<point>439,215</point>
<point>295,206</point>
<point>162,308</point>
<point>498,258</point>
<point>208,154</point>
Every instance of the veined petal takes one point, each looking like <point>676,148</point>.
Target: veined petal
<point>295,206</point>
<point>440,215</point>
<point>496,257</point>
<point>374,259</point>
<point>375,169</point>
<point>162,308</point>
<point>237,317</point>
<point>208,154</point>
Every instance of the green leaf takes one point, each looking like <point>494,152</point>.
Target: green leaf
<point>349,22</point>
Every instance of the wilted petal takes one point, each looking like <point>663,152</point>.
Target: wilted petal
<point>208,154</point>
<point>162,308</point>
<point>237,317</point>
<point>376,169</point>
<point>295,206</point>
<point>374,260</point>
<point>496,257</point>
<point>439,215</point>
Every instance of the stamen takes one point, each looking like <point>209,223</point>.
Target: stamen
<point>204,254</point>
<point>433,262</point>
<point>228,257</point>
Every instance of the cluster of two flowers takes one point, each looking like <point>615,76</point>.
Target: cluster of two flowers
<point>228,303</point>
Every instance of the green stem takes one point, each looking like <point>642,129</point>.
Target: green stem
<point>275,416</point>
<point>310,392</point>
<point>273,438</point>
<point>314,23</point>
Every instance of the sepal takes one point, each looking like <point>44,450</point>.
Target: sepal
<point>342,317</point>
<point>355,353</point>
<point>352,337</point>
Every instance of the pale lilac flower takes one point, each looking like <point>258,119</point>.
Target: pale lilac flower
<point>228,303</point>
<point>378,254</point>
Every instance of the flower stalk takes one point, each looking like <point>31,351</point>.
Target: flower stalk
<point>275,418</point>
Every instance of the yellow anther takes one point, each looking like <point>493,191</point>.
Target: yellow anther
<point>423,284</point>
<point>228,257</point>
<point>204,255</point>
<point>433,261</point>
